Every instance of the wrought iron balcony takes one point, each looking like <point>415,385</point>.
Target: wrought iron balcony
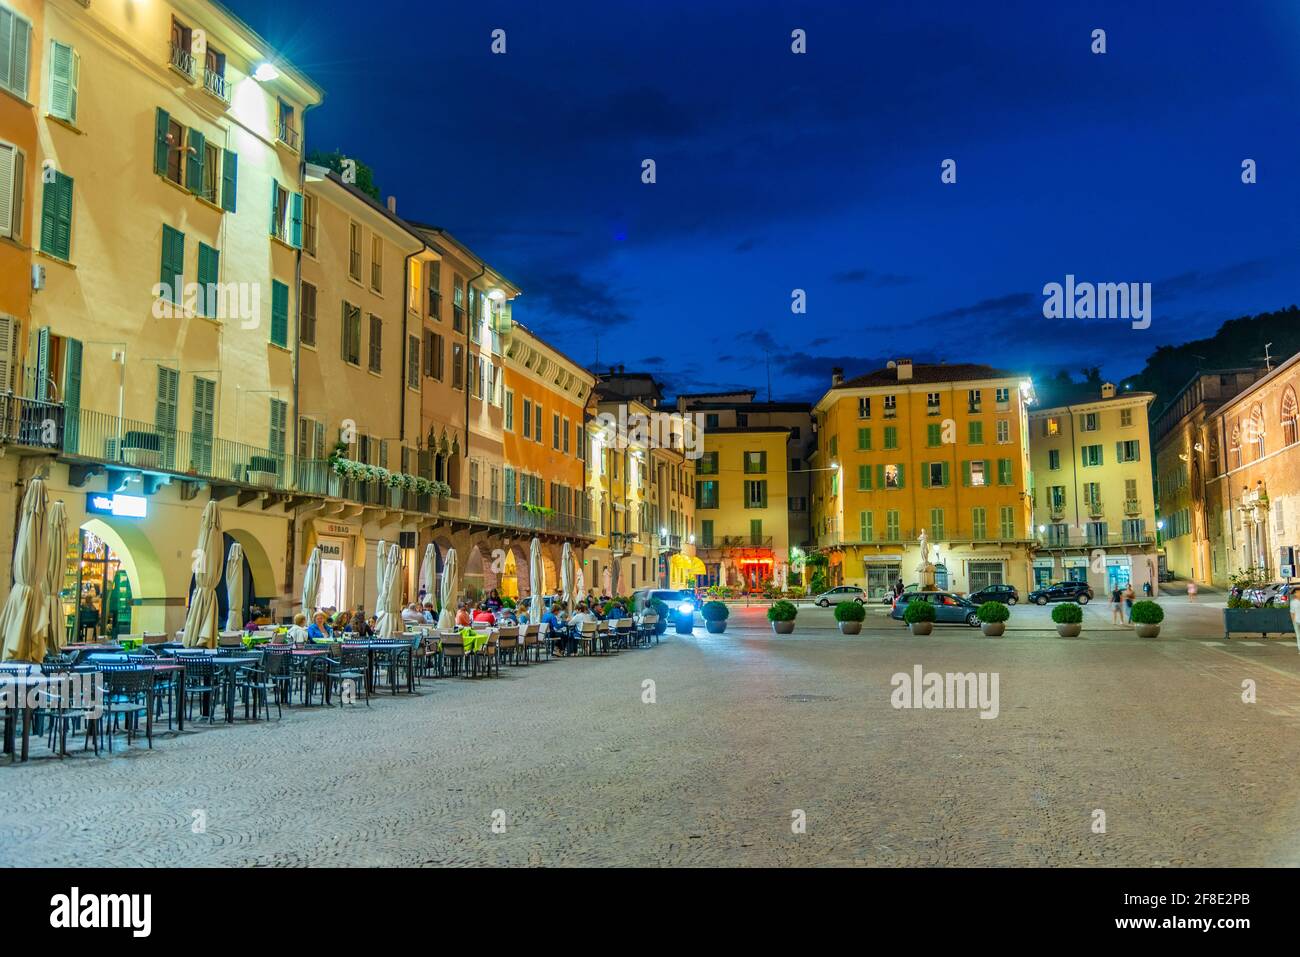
<point>182,59</point>
<point>1093,539</point>
<point>287,135</point>
<point>1132,506</point>
<point>1095,508</point>
<point>215,83</point>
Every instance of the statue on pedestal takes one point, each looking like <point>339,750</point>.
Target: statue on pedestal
<point>925,570</point>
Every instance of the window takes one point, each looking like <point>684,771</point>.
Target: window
<point>276,441</point>
<point>528,418</point>
<point>458,304</point>
<point>891,437</point>
<point>1003,397</point>
<point>307,314</point>
<point>1290,432</point>
<point>1088,422</point>
<point>434,357</point>
<point>891,406</point>
<point>891,525</point>
<point>1091,456</point>
<point>12,179</point>
<point>555,431</point>
<point>208,303</point>
<point>975,432</point>
<point>181,44</point>
<point>214,73</point>
<point>707,464</point>
<point>565,433</point>
<point>977,474</point>
<point>413,362</point>
<point>211,173</point>
<point>351,334</point>
<point>15,52</point>
<point>1051,426</point>
<point>434,271</point>
<point>1008,516</point>
<point>537,423</point>
<point>510,411</point>
<point>279,314</point>
<point>756,493</point>
<point>1004,431</point>
<point>932,403</point>
<point>892,476</point>
<point>755,463</point>
<point>376,354</point>
<point>1127,451</point>
<point>934,435</point>
<point>1054,459</point>
<point>354,251</point>
<point>413,290</point>
<point>285,128</point>
<point>835,445</point>
<point>65,71</point>
<point>56,217</point>
<point>376,263</point>
<point>935,474</point>
<point>866,527</point>
<point>711,420</point>
<point>864,407</point>
<point>1005,472</point>
<point>310,223</point>
<point>864,440</point>
<point>286,215</point>
<point>706,493</point>
<point>974,400</point>
<point>979,526</point>
<point>936,524</point>
<point>1126,417</point>
<point>172,274</point>
<point>756,531</point>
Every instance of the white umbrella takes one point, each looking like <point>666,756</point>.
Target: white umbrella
<point>235,587</point>
<point>311,583</point>
<point>58,546</point>
<point>538,605</point>
<point>390,597</point>
<point>566,575</point>
<point>722,574</point>
<point>450,586</point>
<point>380,570</point>
<point>426,571</point>
<point>24,623</point>
<point>201,622</point>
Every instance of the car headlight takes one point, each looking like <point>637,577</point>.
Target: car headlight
<point>686,608</point>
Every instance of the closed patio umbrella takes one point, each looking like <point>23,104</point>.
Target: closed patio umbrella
<point>201,622</point>
<point>58,546</point>
<point>390,596</point>
<point>427,568</point>
<point>235,588</point>
<point>380,570</point>
<point>566,574</point>
<point>535,582</point>
<point>24,623</point>
<point>450,590</point>
<point>613,578</point>
<point>311,583</point>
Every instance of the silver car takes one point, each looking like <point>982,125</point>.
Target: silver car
<point>841,593</point>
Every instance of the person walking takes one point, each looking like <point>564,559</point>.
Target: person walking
<point>1191,590</point>
<point>1129,595</point>
<point>1295,615</point>
<point>1116,606</point>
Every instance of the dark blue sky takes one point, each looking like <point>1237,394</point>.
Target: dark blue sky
<point>821,171</point>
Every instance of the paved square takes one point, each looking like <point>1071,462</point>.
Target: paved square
<point>746,729</point>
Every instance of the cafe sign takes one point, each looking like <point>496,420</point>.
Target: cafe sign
<point>117,504</point>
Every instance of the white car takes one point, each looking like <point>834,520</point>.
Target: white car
<point>841,593</point>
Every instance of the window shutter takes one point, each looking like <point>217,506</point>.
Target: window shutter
<point>880,476</point>
<point>43,365</point>
<point>15,42</point>
<point>56,217</point>
<point>945,474</point>
<point>162,122</point>
<point>925,475</point>
<point>63,88</point>
<point>275,206</point>
<point>209,271</point>
<point>195,157</point>
<point>71,395</point>
<point>8,180</point>
<point>900,476</point>
<point>229,180</point>
<point>7,324</point>
<point>279,313</point>
<point>864,477</point>
<point>965,473</point>
<point>295,203</point>
<point>167,399</point>
<point>172,271</point>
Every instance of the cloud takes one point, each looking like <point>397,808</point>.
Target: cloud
<point>1202,281</point>
<point>1015,302</point>
<point>879,280</point>
<point>568,296</point>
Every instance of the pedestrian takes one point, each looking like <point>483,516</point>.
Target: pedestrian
<point>1191,591</point>
<point>1129,595</point>
<point>1146,588</point>
<point>1116,608</point>
<point>1295,615</point>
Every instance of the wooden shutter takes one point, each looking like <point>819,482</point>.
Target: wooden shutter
<point>10,182</point>
<point>276,439</point>
<point>209,277</point>
<point>65,67</point>
<point>275,207</point>
<point>202,425</point>
<point>15,43</point>
<point>229,180</point>
<point>945,478</point>
<point>900,476</point>
<point>295,216</point>
<point>71,394</point>
<point>172,270</point>
<point>965,473</point>
<point>162,123</point>
<point>279,313</point>
<point>195,158</point>
<point>43,365</point>
<point>8,332</point>
<point>56,217</point>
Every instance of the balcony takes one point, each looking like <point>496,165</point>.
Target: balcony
<point>287,135</point>
<point>215,83</point>
<point>1095,508</point>
<point>181,60</point>
<point>1057,511</point>
<point>1084,540</point>
<point>668,543</point>
<point>621,542</point>
<point>1132,506</point>
<point>730,542</point>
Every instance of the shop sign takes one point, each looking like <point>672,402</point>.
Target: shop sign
<point>330,549</point>
<point>117,504</point>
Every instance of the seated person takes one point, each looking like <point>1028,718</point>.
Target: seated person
<point>482,614</point>
<point>615,612</point>
<point>320,629</point>
<point>463,617</point>
<point>506,616</point>
<point>360,627</point>
<point>297,632</point>
<point>411,615</point>
<point>430,616</point>
<point>342,621</point>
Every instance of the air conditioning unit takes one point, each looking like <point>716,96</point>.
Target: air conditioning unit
<point>38,277</point>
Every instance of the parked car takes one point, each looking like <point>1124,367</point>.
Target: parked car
<point>678,600</point>
<point>1277,593</point>
<point>1062,591</point>
<point>841,593</point>
<point>1007,594</point>
<point>889,595</point>
<point>948,608</point>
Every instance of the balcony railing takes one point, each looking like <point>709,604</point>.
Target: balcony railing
<point>287,135</point>
<point>622,541</point>
<point>1094,540</point>
<point>215,83</point>
<point>1132,506</point>
<point>1095,508</point>
<point>182,59</point>
<point>737,541</point>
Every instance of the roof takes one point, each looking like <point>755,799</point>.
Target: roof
<point>325,173</point>
<point>732,430</point>
<point>922,374</point>
<point>1081,393</point>
<point>709,395</point>
<point>749,406</point>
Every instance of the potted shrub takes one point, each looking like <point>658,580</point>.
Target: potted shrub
<point>263,470</point>
<point>715,617</point>
<point>1069,619</point>
<point>782,615</point>
<point>1242,615</point>
<point>993,617</point>
<point>919,615</point>
<point>1147,616</point>
<point>660,609</point>
<point>850,614</point>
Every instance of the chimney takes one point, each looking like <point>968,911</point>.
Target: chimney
<point>904,367</point>
<point>1108,390</point>
<point>392,205</point>
<point>837,377</point>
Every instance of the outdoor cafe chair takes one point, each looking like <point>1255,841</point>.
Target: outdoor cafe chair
<point>202,680</point>
<point>487,656</point>
<point>255,686</point>
<point>586,637</point>
<point>128,695</point>
<point>623,629</point>
<point>509,644</point>
<point>649,628</point>
<point>453,652</point>
<point>279,666</point>
<point>532,641</point>
<point>352,666</point>
<point>63,711</point>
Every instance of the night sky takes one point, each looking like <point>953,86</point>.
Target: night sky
<point>821,171</point>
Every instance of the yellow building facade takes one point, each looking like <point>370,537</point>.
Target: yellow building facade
<point>942,449</point>
<point>1094,504</point>
<point>741,506</point>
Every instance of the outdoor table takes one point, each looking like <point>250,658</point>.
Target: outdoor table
<point>381,644</point>
<point>175,671</point>
<point>229,664</point>
<point>17,714</point>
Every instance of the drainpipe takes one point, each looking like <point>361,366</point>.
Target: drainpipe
<point>406,311</point>
<point>291,543</point>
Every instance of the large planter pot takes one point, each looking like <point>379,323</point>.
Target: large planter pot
<point>1148,631</point>
<point>685,626</point>
<point>850,628</point>
<point>921,627</point>
<point>716,627</point>
<point>783,627</point>
<point>1256,621</point>
<point>993,629</point>
<point>1069,631</point>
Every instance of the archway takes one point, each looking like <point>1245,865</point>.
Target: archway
<point>258,562</point>
<point>113,567</point>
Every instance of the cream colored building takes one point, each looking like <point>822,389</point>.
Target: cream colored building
<point>1094,505</point>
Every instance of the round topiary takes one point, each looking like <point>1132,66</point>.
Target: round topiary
<point>714,611</point>
<point>850,611</point>
<point>993,612</point>
<point>1147,613</point>
<point>918,610</point>
<point>782,611</point>
<point>1067,613</point>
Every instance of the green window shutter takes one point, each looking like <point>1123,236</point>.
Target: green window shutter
<point>194,160</point>
<point>209,277</point>
<point>172,274</point>
<point>56,217</point>
<point>976,432</point>
<point>880,476</point>
<point>279,415</point>
<point>925,475</point>
<point>900,476</point>
<point>864,478</point>
<point>275,206</point>
<point>965,473</point>
<point>63,81</point>
<point>229,179</point>
<point>162,122</point>
<point>71,395</point>
<point>934,434</point>
<point>1004,471</point>
<point>279,313</point>
<point>295,214</point>
<point>946,480</point>
<point>43,364</point>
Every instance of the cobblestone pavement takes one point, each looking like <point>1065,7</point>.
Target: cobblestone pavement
<point>746,730</point>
